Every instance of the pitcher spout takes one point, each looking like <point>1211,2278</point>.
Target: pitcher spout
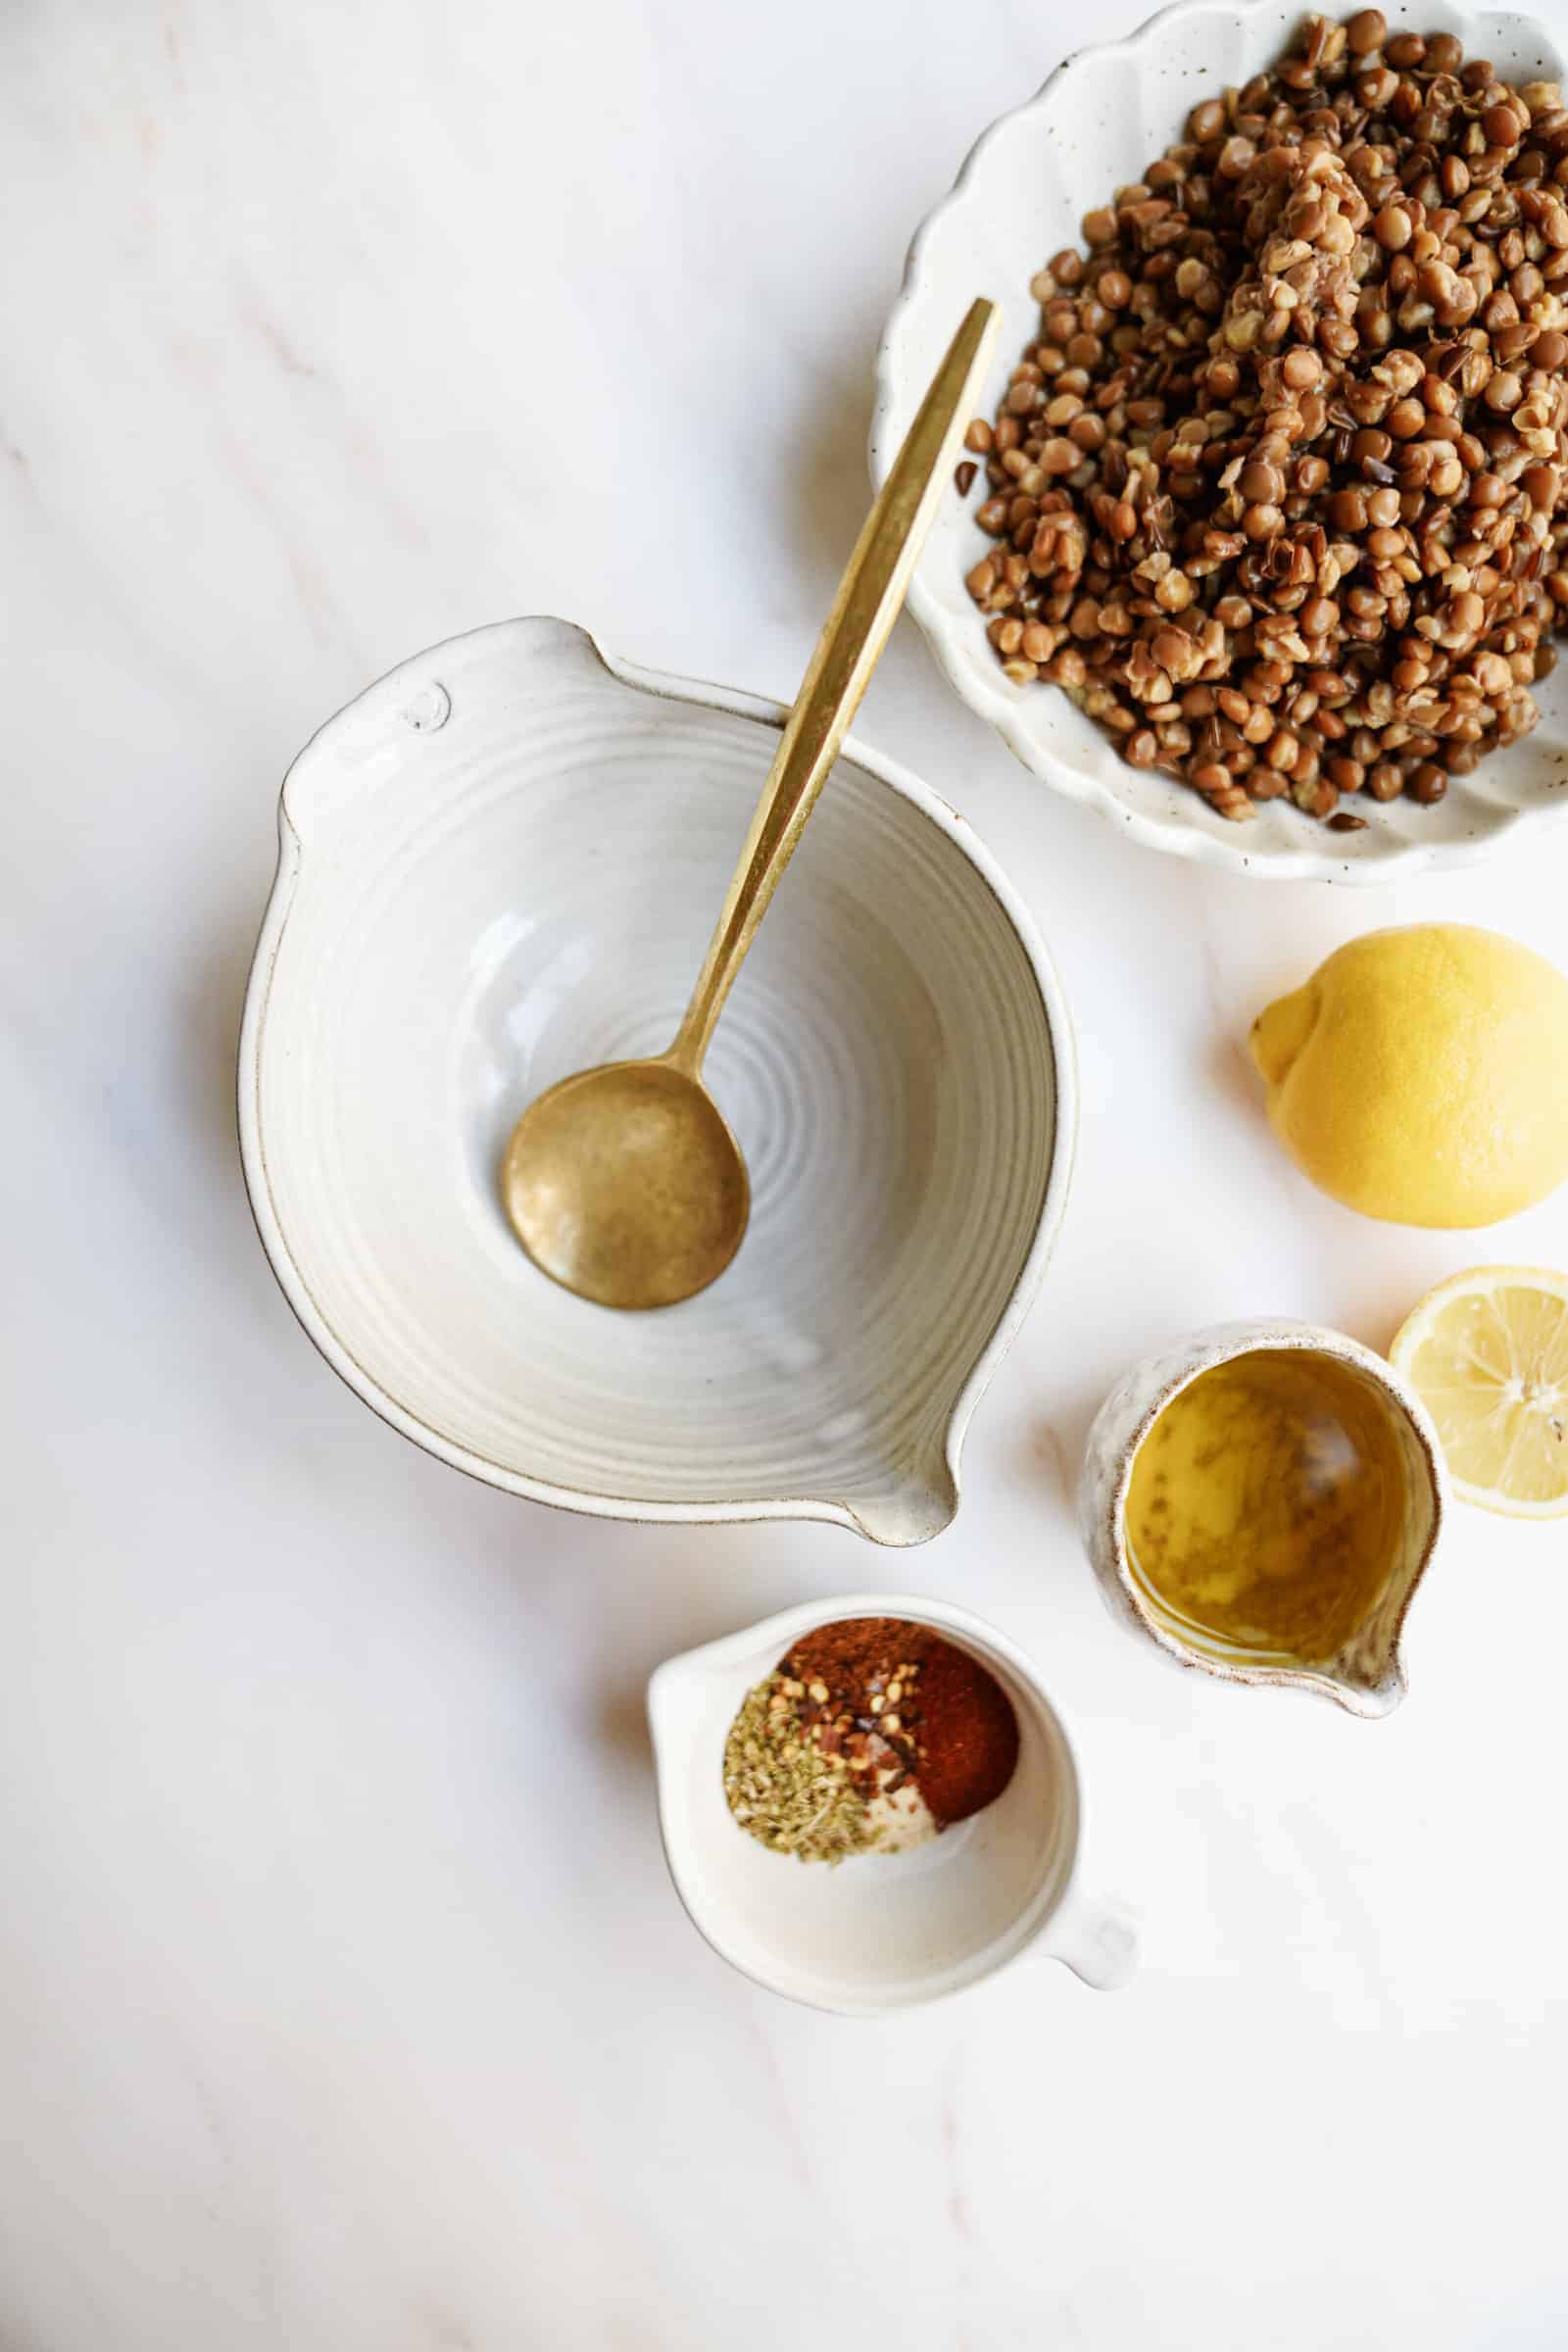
<point>1367,1684</point>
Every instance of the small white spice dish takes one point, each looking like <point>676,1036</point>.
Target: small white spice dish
<point>1101,119</point>
<point>501,865</point>
<point>880,1932</point>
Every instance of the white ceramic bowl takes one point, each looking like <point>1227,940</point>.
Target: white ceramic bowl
<point>501,865</point>
<point>880,1932</point>
<point>1102,117</point>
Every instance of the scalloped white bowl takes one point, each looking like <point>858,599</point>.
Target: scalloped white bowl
<point>501,865</point>
<point>1102,117</point>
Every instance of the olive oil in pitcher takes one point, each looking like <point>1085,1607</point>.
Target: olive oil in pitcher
<point>1266,1502</point>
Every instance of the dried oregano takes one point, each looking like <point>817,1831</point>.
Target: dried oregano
<point>783,1790</point>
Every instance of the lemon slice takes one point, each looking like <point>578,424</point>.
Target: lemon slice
<point>1488,1355</point>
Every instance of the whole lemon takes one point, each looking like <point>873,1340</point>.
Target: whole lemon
<point>1421,1075</point>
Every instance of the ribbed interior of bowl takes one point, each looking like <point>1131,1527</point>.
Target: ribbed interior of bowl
<point>1095,125</point>
<point>478,907</point>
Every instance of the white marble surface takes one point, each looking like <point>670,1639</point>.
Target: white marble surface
<point>344,2005</point>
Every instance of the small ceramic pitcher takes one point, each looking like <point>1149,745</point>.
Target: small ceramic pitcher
<point>879,1932</point>
<point>1366,1675</point>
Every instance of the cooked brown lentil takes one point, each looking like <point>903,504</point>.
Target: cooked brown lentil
<point>1280,489</point>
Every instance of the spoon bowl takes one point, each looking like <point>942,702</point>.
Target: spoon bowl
<point>625,1185</point>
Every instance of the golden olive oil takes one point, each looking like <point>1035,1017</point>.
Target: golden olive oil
<point>1266,1502</point>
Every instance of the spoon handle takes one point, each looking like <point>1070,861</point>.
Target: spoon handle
<point>864,609</point>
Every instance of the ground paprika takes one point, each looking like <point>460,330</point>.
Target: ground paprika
<point>945,1715</point>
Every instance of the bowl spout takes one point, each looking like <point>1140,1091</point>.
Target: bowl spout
<point>912,1507</point>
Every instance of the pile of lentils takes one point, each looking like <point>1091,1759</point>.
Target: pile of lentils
<point>1279,493</point>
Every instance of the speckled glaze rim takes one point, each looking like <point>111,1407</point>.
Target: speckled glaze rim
<point>585,1503</point>
<point>1059,1907</point>
<point>954,651</point>
<point>1104,1504</point>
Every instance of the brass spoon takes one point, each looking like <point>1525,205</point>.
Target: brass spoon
<point>624,1183</point>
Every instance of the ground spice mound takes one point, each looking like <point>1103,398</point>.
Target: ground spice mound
<point>950,1721</point>
<point>1279,491</point>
